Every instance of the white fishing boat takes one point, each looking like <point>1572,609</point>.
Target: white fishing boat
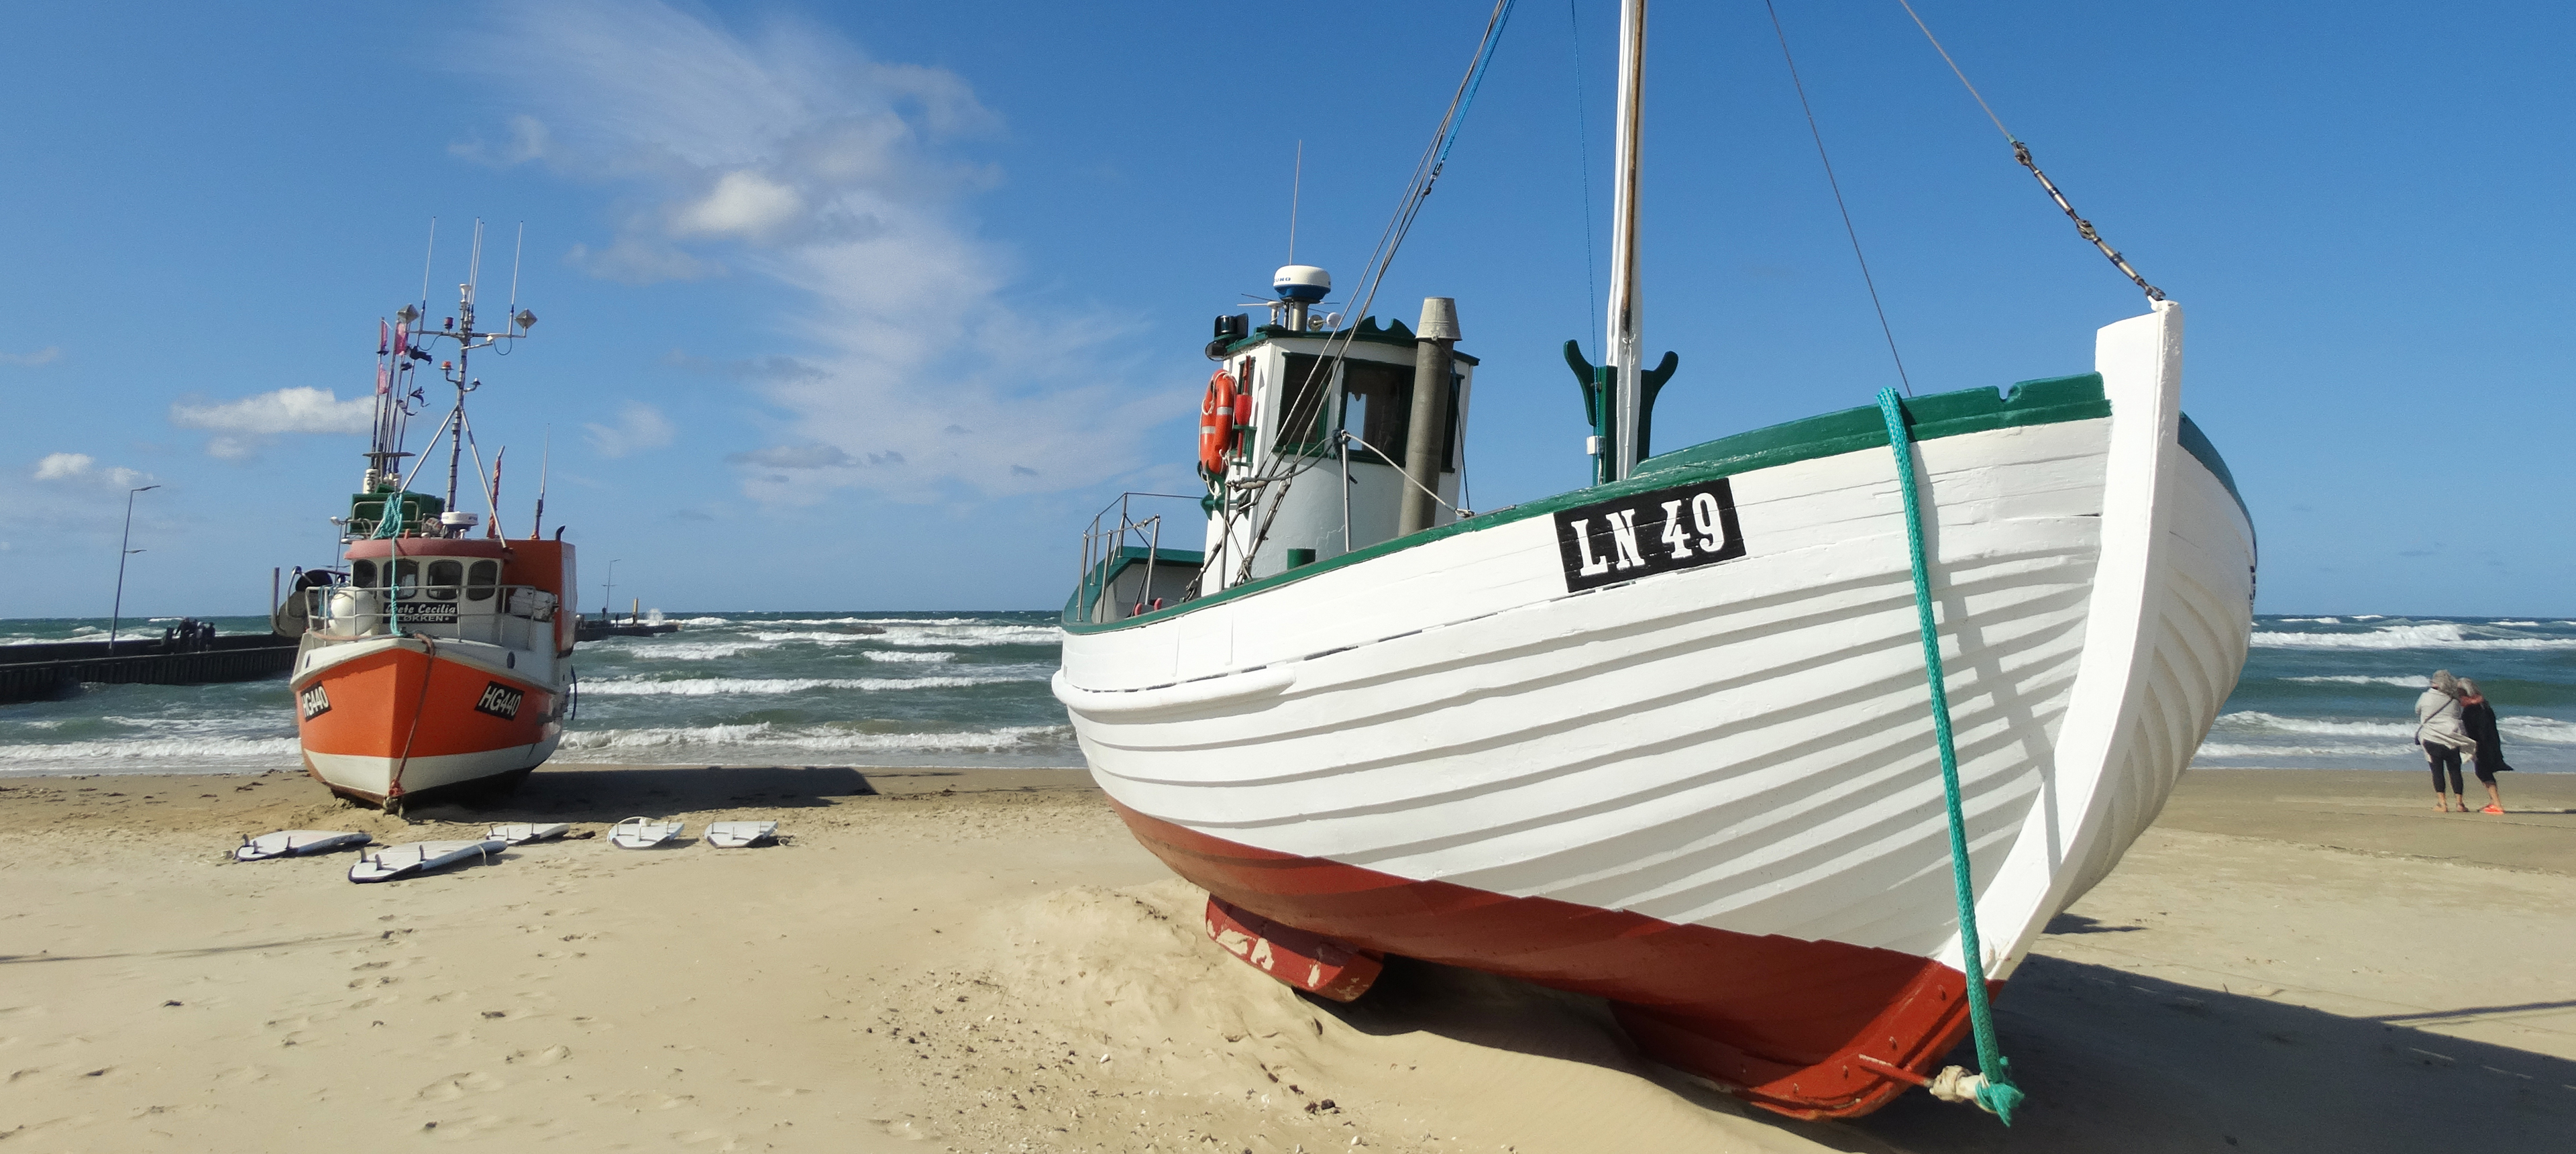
<point>1672,739</point>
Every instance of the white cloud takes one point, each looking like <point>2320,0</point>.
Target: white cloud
<point>247,424</point>
<point>44,356</point>
<point>808,163</point>
<point>82,469</point>
<point>639,426</point>
<point>744,203</point>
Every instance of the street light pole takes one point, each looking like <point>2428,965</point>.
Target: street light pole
<point>608,596</point>
<point>116,614</point>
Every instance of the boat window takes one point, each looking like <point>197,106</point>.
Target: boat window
<point>480,579</point>
<point>1303,386</point>
<point>362,574</point>
<point>406,578</point>
<point>1377,404</point>
<point>444,577</point>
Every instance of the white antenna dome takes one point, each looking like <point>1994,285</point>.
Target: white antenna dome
<point>1301,282</point>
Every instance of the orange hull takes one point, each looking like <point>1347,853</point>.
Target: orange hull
<point>397,717</point>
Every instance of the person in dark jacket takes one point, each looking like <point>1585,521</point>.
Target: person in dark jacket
<point>2479,719</point>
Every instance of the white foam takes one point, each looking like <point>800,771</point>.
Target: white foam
<point>911,656</point>
<point>726,686</point>
<point>2365,679</point>
<point>2312,620</point>
<point>812,738</point>
<point>158,752</point>
<point>704,622</point>
<point>2347,752</point>
<point>2236,725</point>
<point>2438,636</point>
<point>698,650</point>
<point>2545,730</point>
<point>2519,624</point>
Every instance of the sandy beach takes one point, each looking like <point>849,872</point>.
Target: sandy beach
<point>982,960</point>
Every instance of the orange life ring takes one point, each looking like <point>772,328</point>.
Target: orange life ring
<point>1216,422</point>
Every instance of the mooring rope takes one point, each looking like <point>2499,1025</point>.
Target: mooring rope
<point>1993,1090</point>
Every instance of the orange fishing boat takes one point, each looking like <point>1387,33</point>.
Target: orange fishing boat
<point>438,658</point>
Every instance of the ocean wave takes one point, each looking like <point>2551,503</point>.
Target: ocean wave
<point>2310,620</point>
<point>158,750</point>
<point>2261,722</point>
<point>808,737</point>
<point>2406,637</point>
<point>911,656</point>
<point>2517,624</point>
<point>716,686</point>
<point>973,635</point>
<point>2365,679</point>
<point>2545,730</point>
<point>697,650</point>
<point>2346,752</point>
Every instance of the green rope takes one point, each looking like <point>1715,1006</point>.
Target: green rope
<point>1998,1095</point>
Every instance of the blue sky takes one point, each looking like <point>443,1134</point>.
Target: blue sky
<point>870,306</point>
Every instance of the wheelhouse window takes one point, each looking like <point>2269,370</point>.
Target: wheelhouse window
<point>406,579</point>
<point>444,577</point>
<point>481,578</point>
<point>1304,385</point>
<point>362,574</point>
<point>1377,406</point>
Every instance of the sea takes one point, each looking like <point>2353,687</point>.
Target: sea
<point>970,689</point>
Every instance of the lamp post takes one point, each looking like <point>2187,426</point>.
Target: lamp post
<point>608,596</point>
<point>116,614</point>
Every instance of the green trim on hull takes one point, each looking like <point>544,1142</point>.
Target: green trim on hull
<point>2041,402</point>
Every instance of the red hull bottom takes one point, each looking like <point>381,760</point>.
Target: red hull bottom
<point>1808,1029</point>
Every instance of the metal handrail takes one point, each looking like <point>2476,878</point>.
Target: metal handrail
<point>1103,543</point>
<point>367,605</point>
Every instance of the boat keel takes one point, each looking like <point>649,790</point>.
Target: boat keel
<point>1311,962</point>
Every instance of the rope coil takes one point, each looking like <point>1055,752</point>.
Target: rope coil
<point>1993,1090</point>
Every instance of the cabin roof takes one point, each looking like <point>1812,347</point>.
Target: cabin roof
<point>375,547</point>
<point>1368,332</point>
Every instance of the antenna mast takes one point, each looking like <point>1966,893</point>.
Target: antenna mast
<point>1296,185</point>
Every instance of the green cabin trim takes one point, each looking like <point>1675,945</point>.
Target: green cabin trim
<point>1393,334</point>
<point>2041,402</point>
<point>1105,573</point>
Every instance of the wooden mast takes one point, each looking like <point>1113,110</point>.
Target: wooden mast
<point>1624,346</point>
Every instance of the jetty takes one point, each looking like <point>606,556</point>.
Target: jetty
<point>191,654</point>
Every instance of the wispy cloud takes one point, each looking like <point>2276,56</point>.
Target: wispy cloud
<point>787,153</point>
<point>44,356</point>
<point>639,427</point>
<point>243,426</point>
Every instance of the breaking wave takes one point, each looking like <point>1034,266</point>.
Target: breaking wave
<point>2406,637</point>
<point>713,686</point>
<point>2363,679</point>
<point>807,737</point>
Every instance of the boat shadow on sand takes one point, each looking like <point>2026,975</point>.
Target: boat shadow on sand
<point>2111,1061</point>
<point>607,795</point>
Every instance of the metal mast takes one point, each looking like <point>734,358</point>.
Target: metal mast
<point>1624,348</point>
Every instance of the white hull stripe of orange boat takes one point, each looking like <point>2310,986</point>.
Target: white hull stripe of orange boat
<point>371,777</point>
<point>1740,745</point>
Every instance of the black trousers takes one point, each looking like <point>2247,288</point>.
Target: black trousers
<point>2441,757</point>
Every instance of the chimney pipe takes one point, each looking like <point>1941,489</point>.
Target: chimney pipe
<point>1435,342</point>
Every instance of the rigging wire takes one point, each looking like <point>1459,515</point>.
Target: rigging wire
<point>1426,173</point>
<point>1583,145</point>
<point>1836,185</point>
<point>2021,152</point>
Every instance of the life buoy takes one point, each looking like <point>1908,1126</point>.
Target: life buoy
<point>1216,422</point>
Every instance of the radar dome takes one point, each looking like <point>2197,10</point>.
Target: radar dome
<point>1301,282</point>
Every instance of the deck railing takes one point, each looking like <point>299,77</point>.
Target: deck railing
<point>1120,531</point>
<point>515,616</point>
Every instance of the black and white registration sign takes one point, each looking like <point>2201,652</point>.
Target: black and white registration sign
<point>500,701</point>
<point>1648,533</point>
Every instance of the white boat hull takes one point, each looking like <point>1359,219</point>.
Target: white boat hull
<point>1742,748</point>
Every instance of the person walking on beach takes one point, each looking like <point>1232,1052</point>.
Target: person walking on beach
<point>2438,730</point>
<point>2478,719</point>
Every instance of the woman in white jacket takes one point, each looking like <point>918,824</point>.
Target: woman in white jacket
<point>2439,730</point>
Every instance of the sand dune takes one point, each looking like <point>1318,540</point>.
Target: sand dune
<point>983,961</point>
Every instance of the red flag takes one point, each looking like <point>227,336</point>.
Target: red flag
<point>402,339</point>
<point>384,379</point>
<point>384,337</point>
